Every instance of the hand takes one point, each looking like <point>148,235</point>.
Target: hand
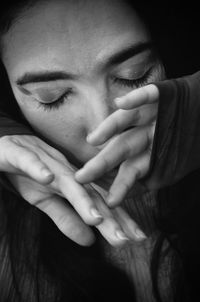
<point>44,178</point>
<point>128,137</point>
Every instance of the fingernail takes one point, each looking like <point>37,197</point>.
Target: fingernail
<point>89,136</point>
<point>110,201</point>
<point>117,100</point>
<point>139,234</point>
<point>121,235</point>
<point>46,172</point>
<point>79,172</point>
<point>95,213</point>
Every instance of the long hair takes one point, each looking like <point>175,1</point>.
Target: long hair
<point>41,264</point>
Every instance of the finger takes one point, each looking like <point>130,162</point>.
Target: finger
<point>122,120</point>
<point>144,95</point>
<point>117,227</point>
<point>114,124</point>
<point>147,114</point>
<point>129,172</point>
<point>67,220</point>
<point>124,146</point>
<point>18,159</point>
<point>110,227</point>
<point>112,231</point>
<point>50,151</point>
<point>129,226</point>
<point>78,197</point>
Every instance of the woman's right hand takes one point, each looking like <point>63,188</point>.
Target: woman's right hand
<point>44,177</point>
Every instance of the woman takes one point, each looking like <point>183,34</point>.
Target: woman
<point>94,86</point>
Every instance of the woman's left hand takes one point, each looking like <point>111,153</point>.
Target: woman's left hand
<point>127,135</point>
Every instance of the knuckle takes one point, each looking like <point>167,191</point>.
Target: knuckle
<point>137,115</point>
<point>7,141</point>
<point>30,156</point>
<point>126,186</point>
<point>33,198</point>
<point>70,228</point>
<point>104,164</point>
<point>57,155</point>
<point>116,126</point>
<point>54,153</point>
<point>127,148</point>
<point>63,223</point>
<point>65,177</point>
<point>16,139</point>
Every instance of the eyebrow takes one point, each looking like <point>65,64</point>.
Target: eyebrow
<point>129,52</point>
<point>44,76</point>
<point>117,58</point>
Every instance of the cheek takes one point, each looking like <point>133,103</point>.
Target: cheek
<point>56,125</point>
<point>64,122</point>
<point>119,91</point>
<point>63,128</point>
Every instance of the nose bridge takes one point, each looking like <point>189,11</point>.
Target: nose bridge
<point>99,105</point>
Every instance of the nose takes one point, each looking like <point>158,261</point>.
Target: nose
<point>99,106</point>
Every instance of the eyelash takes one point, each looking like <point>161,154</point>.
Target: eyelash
<point>57,103</point>
<point>136,82</point>
<point>124,82</point>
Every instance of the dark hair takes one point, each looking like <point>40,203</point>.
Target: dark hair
<point>46,266</point>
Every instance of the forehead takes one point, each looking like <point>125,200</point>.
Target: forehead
<point>69,33</point>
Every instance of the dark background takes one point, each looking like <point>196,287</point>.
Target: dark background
<point>176,25</point>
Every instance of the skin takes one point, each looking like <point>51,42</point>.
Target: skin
<point>131,148</point>
<point>57,38</point>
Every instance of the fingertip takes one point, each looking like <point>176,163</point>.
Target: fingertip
<point>82,176</point>
<point>121,235</point>
<point>115,196</point>
<point>122,103</point>
<point>92,139</point>
<point>112,201</point>
<point>88,137</point>
<point>140,235</point>
<point>118,101</point>
<point>79,175</point>
<point>97,218</point>
<point>87,241</point>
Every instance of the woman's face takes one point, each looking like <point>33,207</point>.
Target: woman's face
<point>68,60</point>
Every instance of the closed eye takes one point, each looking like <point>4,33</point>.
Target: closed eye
<point>56,103</point>
<point>134,82</point>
